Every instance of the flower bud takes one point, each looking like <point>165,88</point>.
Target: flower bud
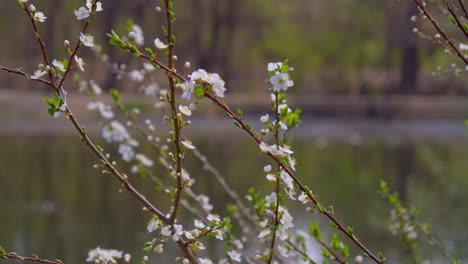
<point>158,9</point>
<point>174,58</point>
<point>358,259</point>
<point>131,36</point>
<point>67,44</point>
<point>32,8</point>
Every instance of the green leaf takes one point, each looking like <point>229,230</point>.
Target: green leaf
<point>239,113</point>
<point>115,95</point>
<point>115,40</point>
<point>381,256</point>
<point>100,148</point>
<point>129,25</point>
<point>149,51</point>
<point>315,230</point>
<point>199,92</point>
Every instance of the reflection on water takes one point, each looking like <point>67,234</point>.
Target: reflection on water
<point>56,205</point>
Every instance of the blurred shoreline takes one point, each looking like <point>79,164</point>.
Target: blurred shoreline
<point>326,118</point>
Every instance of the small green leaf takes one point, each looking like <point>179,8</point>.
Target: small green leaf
<point>315,230</point>
<point>199,92</point>
<point>381,256</point>
<point>239,113</point>
<point>100,148</point>
<point>115,94</point>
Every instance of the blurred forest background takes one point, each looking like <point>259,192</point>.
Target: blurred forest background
<point>346,47</point>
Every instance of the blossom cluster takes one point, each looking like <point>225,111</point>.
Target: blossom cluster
<point>201,79</point>
<point>104,256</point>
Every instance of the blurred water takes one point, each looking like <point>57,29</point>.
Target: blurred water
<point>54,204</point>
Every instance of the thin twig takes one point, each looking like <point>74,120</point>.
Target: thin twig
<point>36,259</point>
<point>19,72</point>
<point>301,186</point>
<point>457,21</point>
<point>423,8</point>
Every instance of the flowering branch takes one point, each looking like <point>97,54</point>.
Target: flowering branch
<point>462,5</point>
<point>35,259</point>
<point>19,72</point>
<point>77,47</point>
<point>306,190</point>
<point>422,7</point>
<point>39,40</point>
<point>409,219</point>
<point>455,17</point>
<point>276,220</point>
<point>175,114</point>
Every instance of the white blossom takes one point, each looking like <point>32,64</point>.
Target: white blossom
<point>267,168</point>
<point>80,63</point>
<point>136,76</point>
<point>153,225</point>
<point>89,5</point>
<point>271,177</point>
<point>265,118</point>
<point>283,251</point>
<point>185,110</point>
<point>235,255</point>
<point>60,110</point>
<point>82,13</point>
<point>199,224</point>
<point>281,81</point>
<point>264,147</point>
<point>39,16</point>
<point>159,249</point>
<point>303,198</point>
<point>463,46</point>
<point>273,66</point>
<point>126,151</point>
<point>265,232</point>
<point>139,38</point>
<point>218,88</point>
<point>115,131</point>
<point>205,261</point>
<point>87,40</point>
<point>159,44</point>
<point>144,160</point>
<point>199,75</point>
<point>95,87</point>
<point>105,256</point>
<point>166,231</point>
<point>58,65</point>
<point>213,218</point>
<point>38,74</point>
<point>188,88</point>
<point>188,144</point>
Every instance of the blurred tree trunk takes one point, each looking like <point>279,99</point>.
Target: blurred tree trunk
<point>50,33</point>
<point>197,29</point>
<point>227,56</point>
<point>410,54</point>
<point>111,14</point>
<point>210,56</point>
